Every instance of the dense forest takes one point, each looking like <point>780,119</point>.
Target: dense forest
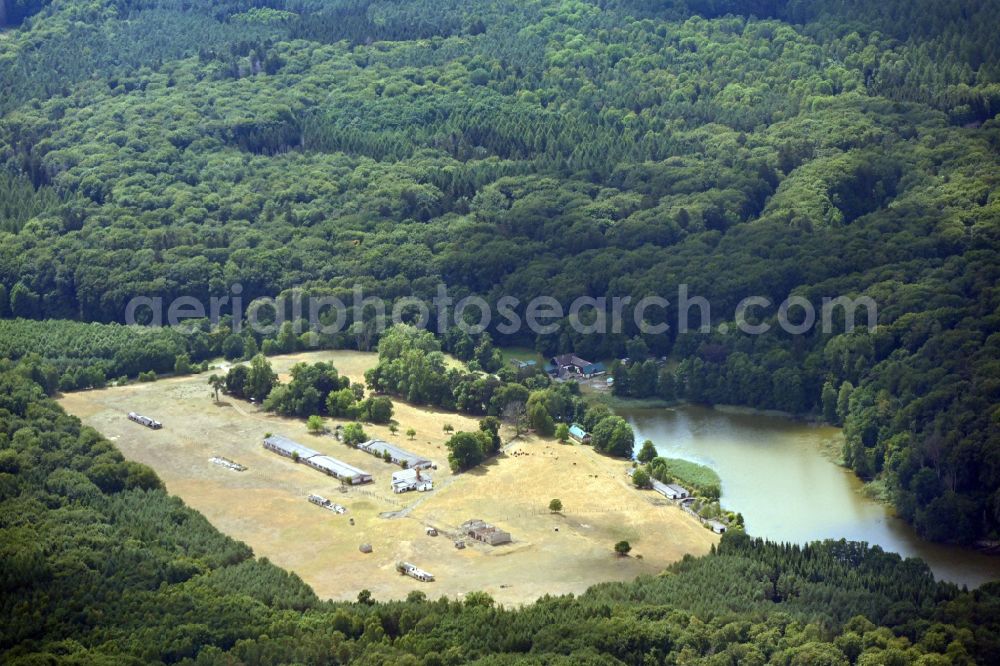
<point>544,147</point>
<point>100,565</point>
<point>595,148</point>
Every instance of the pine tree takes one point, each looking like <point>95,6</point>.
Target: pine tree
<point>829,402</point>
<point>844,401</point>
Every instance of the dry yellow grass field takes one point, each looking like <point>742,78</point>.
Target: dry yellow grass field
<point>266,505</point>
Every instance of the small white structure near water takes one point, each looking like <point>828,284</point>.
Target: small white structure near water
<point>670,490</point>
<point>716,526</point>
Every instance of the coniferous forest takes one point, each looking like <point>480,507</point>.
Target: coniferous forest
<point>563,148</point>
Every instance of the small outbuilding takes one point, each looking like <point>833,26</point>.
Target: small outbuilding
<point>411,479</point>
<point>486,533</point>
<point>670,490</point>
<point>717,527</point>
<point>413,571</point>
<point>323,502</point>
<point>152,424</point>
<point>679,491</point>
<point>577,433</point>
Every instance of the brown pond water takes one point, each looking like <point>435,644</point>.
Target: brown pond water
<point>779,474</point>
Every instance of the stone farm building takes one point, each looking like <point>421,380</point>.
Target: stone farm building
<point>398,456</point>
<point>670,490</point>
<point>486,533</point>
<point>411,479</point>
<point>303,454</point>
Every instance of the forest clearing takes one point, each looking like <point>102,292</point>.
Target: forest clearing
<point>266,506</point>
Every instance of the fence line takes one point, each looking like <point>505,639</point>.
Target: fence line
<point>377,496</point>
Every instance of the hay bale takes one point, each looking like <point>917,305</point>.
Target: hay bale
<point>365,548</point>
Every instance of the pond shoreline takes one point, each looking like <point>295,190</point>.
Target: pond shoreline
<point>783,475</point>
<point>614,401</point>
<point>870,489</point>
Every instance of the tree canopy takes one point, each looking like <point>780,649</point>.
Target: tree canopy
<point>89,536</point>
<point>601,149</point>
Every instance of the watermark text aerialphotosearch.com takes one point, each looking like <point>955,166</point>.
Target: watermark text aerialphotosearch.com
<point>508,315</point>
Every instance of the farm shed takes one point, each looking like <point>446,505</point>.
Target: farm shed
<point>716,526</point>
<point>670,490</point>
<point>577,433</point>
<point>303,454</point>
<point>398,456</point>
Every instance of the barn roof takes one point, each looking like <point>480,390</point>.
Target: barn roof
<point>290,446</point>
<point>315,458</point>
<point>380,447</point>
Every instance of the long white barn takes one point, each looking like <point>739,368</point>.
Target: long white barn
<point>303,454</point>
<point>398,456</point>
